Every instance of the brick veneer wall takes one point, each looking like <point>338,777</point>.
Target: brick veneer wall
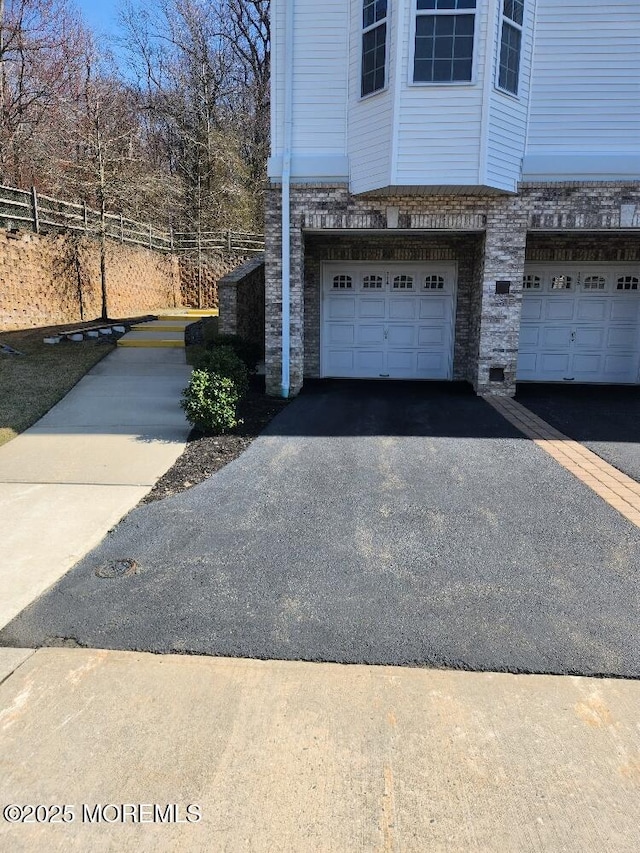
<point>241,301</point>
<point>510,224</point>
<point>42,277</point>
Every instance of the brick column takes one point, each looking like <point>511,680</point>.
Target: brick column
<point>228,307</point>
<point>273,294</point>
<point>501,271</point>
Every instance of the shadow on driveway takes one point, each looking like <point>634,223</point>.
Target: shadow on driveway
<point>388,524</point>
<point>605,419</point>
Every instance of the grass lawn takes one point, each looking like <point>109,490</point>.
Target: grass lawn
<point>32,383</point>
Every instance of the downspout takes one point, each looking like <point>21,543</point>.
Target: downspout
<point>286,200</point>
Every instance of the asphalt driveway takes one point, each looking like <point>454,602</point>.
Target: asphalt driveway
<point>604,418</point>
<point>374,523</point>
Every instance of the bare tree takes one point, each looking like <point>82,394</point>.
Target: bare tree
<point>38,40</point>
<point>206,90</point>
<point>248,31</point>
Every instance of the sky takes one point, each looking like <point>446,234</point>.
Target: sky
<point>101,15</point>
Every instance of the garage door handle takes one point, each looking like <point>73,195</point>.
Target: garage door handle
<point>386,334</point>
<point>573,336</point>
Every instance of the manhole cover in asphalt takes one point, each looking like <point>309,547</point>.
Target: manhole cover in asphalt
<point>118,568</point>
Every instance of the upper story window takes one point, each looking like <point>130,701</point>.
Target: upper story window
<point>374,45</point>
<point>444,41</point>
<point>510,45</point>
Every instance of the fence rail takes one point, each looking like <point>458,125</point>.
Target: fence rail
<point>43,214</point>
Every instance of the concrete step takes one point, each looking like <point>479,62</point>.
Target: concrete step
<point>189,314</point>
<point>152,339</point>
<point>161,326</point>
<point>150,343</point>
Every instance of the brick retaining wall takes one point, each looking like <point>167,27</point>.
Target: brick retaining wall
<point>43,278</point>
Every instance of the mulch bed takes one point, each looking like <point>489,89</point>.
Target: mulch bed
<point>206,454</point>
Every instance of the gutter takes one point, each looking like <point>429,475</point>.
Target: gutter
<point>286,201</point>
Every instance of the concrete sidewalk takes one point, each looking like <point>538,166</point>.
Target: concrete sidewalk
<point>290,756</point>
<point>73,475</point>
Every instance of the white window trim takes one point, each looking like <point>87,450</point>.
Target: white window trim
<point>386,20</point>
<point>502,19</point>
<point>412,47</point>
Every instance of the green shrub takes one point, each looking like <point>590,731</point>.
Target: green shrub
<point>210,400</point>
<point>247,351</point>
<point>224,362</point>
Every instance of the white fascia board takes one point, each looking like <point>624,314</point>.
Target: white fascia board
<point>581,167</point>
<point>312,168</point>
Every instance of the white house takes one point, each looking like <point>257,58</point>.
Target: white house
<point>454,192</point>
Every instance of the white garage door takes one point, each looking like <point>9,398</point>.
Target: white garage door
<point>390,321</point>
<point>580,323</point>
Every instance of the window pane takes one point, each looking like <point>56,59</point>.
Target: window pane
<point>438,5</point>
<point>425,25</point>
<point>372,11</point>
<point>373,59</point>
<point>461,69</point>
<point>509,58</point>
<point>342,282</point>
<point>443,48</point>
<point>514,9</point>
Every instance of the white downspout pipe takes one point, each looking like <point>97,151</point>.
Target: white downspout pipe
<point>286,200</point>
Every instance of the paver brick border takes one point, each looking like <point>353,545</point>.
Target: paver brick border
<point>617,489</point>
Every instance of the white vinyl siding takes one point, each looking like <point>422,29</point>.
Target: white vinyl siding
<point>439,126</point>
<point>319,79</point>
<point>585,97</point>
<point>370,118</point>
<point>507,128</point>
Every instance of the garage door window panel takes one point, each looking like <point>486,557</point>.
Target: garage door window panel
<point>531,282</point>
<point>594,282</point>
<point>342,282</point>
<point>403,282</point>
<point>434,282</point>
<point>372,282</point>
<point>561,282</point>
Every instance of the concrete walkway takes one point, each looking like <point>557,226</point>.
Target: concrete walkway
<point>277,756</point>
<point>73,475</point>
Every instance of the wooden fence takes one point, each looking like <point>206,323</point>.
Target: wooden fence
<point>43,214</point>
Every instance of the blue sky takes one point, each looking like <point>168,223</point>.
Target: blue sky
<point>101,15</point>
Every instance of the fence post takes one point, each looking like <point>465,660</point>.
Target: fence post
<point>34,206</point>
<point>171,238</point>
<point>121,229</point>
<point>229,241</point>
<point>84,216</point>
<point>150,237</point>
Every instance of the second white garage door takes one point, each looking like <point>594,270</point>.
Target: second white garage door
<point>580,323</point>
<point>390,321</point>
